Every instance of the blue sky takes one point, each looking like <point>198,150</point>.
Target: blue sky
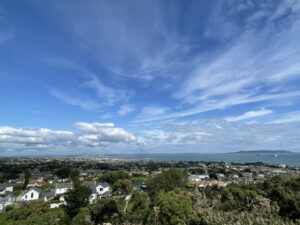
<point>149,76</point>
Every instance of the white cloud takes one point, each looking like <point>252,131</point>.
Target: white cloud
<point>126,109</point>
<point>160,137</point>
<point>34,138</point>
<point>154,110</point>
<point>79,100</point>
<point>291,117</point>
<point>90,136</point>
<point>110,96</point>
<point>249,115</point>
<point>188,136</point>
<point>206,136</point>
<point>104,132</point>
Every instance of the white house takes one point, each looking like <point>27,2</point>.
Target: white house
<point>6,200</point>
<point>98,190</point>
<point>103,188</point>
<point>6,188</point>
<point>61,188</point>
<point>30,194</point>
<point>196,178</point>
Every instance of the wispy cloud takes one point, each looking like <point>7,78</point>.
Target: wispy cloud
<point>126,109</point>
<point>110,96</point>
<point>250,115</point>
<point>291,117</point>
<point>83,102</point>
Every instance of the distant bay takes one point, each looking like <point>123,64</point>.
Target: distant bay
<point>291,159</point>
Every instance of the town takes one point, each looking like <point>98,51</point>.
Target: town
<point>49,180</point>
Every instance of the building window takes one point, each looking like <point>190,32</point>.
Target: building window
<point>101,189</point>
<point>32,195</point>
<point>25,196</point>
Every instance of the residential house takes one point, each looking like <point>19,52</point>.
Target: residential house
<point>34,183</point>
<point>221,176</point>
<point>94,194</point>
<point>103,189</point>
<point>62,188</point>
<point>47,195</point>
<point>4,187</point>
<point>211,183</point>
<point>6,200</point>
<point>30,194</point>
<point>196,178</point>
<point>138,185</point>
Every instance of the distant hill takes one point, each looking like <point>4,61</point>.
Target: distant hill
<point>262,152</point>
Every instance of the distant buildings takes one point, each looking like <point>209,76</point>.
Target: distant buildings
<point>196,178</point>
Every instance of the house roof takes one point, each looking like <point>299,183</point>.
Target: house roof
<point>104,184</point>
<point>47,194</point>
<point>63,185</point>
<point>29,189</point>
<point>92,186</point>
<point>138,184</point>
<point>5,185</point>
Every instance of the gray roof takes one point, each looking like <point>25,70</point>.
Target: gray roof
<point>5,185</point>
<point>104,184</point>
<point>92,186</point>
<point>63,185</point>
<point>48,194</point>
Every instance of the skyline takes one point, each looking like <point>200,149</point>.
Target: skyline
<point>104,77</point>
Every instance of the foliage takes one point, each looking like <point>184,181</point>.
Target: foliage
<point>82,218</point>
<point>106,210</point>
<point>27,175</point>
<point>35,214</point>
<point>113,176</point>
<point>122,185</point>
<point>171,208</point>
<point>63,172</point>
<point>138,207</point>
<point>77,198</point>
<point>167,181</point>
<point>75,174</point>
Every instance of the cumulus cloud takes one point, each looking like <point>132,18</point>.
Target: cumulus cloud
<point>250,115</point>
<point>34,138</point>
<point>88,135</point>
<point>186,136</point>
<point>104,133</point>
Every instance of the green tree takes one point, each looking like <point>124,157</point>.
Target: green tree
<point>171,208</point>
<point>27,176</point>
<point>75,175</point>
<point>106,210</point>
<point>77,198</point>
<point>122,185</point>
<point>82,218</point>
<point>113,176</point>
<point>63,172</point>
<point>167,181</point>
<point>138,207</point>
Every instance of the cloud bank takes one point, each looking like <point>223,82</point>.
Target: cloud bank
<point>189,136</point>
